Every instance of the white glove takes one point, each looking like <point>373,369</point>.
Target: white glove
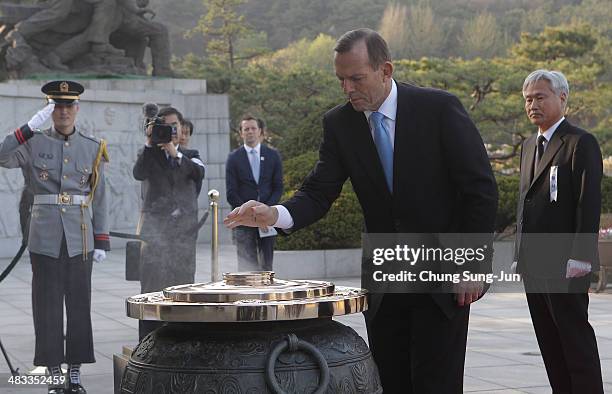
<point>41,117</point>
<point>99,255</point>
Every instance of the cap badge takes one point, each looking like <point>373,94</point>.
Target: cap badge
<point>64,87</point>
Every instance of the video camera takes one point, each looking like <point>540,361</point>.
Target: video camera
<point>161,132</point>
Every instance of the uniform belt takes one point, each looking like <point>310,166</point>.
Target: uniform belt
<point>59,199</point>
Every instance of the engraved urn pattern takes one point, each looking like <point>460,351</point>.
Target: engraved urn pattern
<point>230,358</point>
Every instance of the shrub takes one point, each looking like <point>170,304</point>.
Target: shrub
<point>606,195</point>
<point>508,189</point>
<point>340,228</point>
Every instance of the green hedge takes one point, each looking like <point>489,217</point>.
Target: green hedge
<point>342,226</point>
<point>508,190</point>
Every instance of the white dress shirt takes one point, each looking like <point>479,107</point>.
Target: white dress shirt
<point>249,149</point>
<point>387,108</point>
<point>549,133</point>
<point>179,155</point>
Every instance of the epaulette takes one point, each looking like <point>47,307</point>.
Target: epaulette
<point>90,137</point>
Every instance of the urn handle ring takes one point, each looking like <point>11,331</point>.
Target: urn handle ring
<point>292,343</point>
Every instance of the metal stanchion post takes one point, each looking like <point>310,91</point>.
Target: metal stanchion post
<point>213,196</point>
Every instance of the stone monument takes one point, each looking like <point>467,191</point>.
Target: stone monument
<point>93,37</point>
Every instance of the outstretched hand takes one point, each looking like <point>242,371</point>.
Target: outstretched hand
<point>251,214</point>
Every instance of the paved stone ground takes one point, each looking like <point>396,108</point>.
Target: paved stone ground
<point>502,355</point>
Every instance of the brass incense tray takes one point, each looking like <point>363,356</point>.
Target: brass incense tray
<point>248,297</point>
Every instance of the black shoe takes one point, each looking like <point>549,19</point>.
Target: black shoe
<point>56,390</point>
<point>76,388</point>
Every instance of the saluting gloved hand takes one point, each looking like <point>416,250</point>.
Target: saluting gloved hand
<point>41,117</point>
<point>26,131</point>
<point>99,255</point>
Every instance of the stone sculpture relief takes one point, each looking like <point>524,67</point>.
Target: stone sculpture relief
<point>100,37</point>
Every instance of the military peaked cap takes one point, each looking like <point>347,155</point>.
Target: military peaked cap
<point>63,92</point>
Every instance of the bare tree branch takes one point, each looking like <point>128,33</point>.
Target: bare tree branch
<point>480,93</point>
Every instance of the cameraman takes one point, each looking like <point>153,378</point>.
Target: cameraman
<point>170,175</point>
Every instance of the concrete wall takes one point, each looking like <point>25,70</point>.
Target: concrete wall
<point>111,109</point>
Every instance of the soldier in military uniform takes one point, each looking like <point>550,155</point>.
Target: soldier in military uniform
<point>68,227</point>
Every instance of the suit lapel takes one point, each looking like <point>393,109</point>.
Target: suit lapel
<point>402,144</point>
<point>527,164</point>
<point>161,157</point>
<point>165,164</point>
<point>262,161</point>
<point>243,156</point>
<point>555,143</point>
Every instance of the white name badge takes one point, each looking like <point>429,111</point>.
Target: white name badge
<point>553,183</point>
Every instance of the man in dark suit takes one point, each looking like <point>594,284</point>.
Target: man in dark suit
<point>170,175</point>
<point>253,172</point>
<point>418,165</point>
<point>558,222</point>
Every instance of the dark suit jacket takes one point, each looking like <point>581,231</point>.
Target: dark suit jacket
<point>241,187</point>
<point>551,232</point>
<point>442,181</point>
<point>168,188</point>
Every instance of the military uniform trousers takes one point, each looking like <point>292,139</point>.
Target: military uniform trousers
<point>55,281</point>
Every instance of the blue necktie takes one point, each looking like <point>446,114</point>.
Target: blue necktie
<point>254,160</point>
<point>382,139</point>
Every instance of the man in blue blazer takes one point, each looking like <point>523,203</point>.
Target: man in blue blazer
<point>253,172</point>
